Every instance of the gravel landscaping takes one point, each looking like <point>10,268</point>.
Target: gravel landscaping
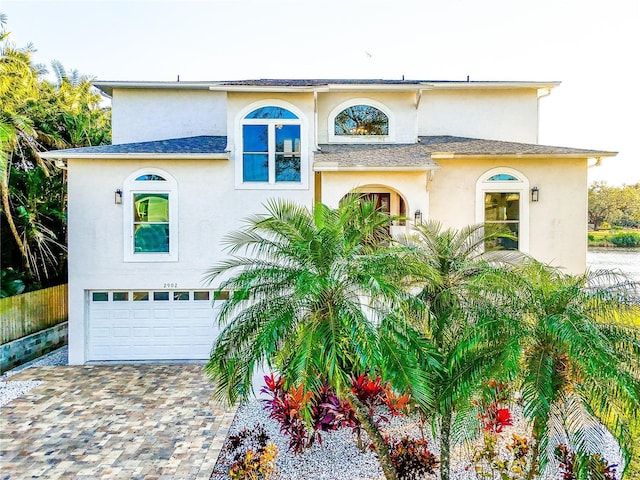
<point>14,389</point>
<point>338,457</point>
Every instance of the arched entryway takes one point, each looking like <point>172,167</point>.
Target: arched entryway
<point>388,200</point>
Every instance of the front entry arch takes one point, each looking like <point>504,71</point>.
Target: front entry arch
<point>388,200</point>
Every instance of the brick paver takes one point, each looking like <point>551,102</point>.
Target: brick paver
<point>135,421</point>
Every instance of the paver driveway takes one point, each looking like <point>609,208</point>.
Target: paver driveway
<point>151,421</point>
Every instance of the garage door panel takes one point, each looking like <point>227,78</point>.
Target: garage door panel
<point>149,329</point>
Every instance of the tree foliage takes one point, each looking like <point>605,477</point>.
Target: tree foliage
<point>38,115</point>
<point>614,205</point>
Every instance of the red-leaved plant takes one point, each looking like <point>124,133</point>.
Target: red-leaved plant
<point>411,458</point>
<point>326,410</point>
<point>285,407</point>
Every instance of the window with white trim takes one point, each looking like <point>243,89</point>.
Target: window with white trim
<point>271,140</point>
<point>502,205</point>
<point>150,203</point>
<point>361,120</point>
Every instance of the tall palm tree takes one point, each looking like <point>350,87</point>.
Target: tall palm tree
<point>317,297</point>
<point>579,343</point>
<point>461,287</point>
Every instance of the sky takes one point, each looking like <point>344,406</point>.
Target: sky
<point>591,46</point>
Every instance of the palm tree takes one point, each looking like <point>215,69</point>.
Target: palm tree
<point>580,363</point>
<point>36,115</point>
<point>462,289</point>
<point>317,297</point>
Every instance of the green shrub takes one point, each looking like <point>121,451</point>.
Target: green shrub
<point>625,239</point>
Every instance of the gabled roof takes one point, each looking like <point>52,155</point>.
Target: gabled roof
<point>200,147</point>
<point>423,155</point>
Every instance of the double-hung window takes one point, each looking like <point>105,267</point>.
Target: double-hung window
<point>271,148</point>
<point>150,217</point>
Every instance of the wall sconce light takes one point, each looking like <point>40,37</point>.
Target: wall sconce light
<point>118,197</point>
<point>535,194</point>
<point>417,217</point>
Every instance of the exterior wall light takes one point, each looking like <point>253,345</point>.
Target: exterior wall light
<point>535,194</point>
<point>118,197</point>
<point>417,217</point>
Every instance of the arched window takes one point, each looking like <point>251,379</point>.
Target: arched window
<point>271,140</point>
<point>502,204</point>
<point>361,120</point>
<point>150,203</point>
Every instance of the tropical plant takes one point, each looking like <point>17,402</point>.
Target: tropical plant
<point>580,363</point>
<point>462,290</point>
<point>320,300</point>
<point>38,115</point>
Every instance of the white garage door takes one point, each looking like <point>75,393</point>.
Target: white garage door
<point>150,325</point>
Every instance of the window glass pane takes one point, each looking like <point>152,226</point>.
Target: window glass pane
<point>499,243</point>
<point>151,238</point>
<point>287,168</point>
<point>502,177</point>
<point>180,296</point>
<point>201,295</point>
<point>221,295</point>
<point>501,206</point>
<point>255,167</point>
<point>271,112</point>
<point>255,138</point>
<point>140,296</point>
<point>160,296</point>
<point>150,177</point>
<point>151,207</point>
<point>120,296</point>
<point>361,120</point>
<point>287,138</point>
<point>100,296</point>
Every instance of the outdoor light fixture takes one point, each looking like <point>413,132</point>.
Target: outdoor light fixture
<point>118,197</point>
<point>417,217</point>
<point>535,194</point>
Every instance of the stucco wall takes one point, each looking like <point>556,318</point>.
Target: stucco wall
<point>411,185</point>
<point>209,207</point>
<point>557,228</point>
<point>401,106</point>
<point>144,115</point>
<point>510,115</point>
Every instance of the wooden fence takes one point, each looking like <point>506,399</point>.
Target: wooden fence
<point>22,315</point>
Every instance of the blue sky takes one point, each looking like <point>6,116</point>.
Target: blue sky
<point>592,46</point>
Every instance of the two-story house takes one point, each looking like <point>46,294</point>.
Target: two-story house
<point>190,160</point>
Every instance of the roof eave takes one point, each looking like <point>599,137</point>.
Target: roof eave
<point>135,156</point>
<point>452,155</point>
<point>334,167</point>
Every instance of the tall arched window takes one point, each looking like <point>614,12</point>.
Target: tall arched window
<point>271,140</point>
<point>502,204</point>
<point>150,203</point>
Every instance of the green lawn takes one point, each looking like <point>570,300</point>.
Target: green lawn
<point>626,237</point>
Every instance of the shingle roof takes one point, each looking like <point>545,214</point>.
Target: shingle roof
<point>421,155</point>
<point>478,146</point>
<point>374,155</point>
<point>200,145</point>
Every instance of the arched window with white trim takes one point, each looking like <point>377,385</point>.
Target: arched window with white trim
<point>150,203</point>
<point>271,153</point>
<point>361,120</point>
<point>502,205</point>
